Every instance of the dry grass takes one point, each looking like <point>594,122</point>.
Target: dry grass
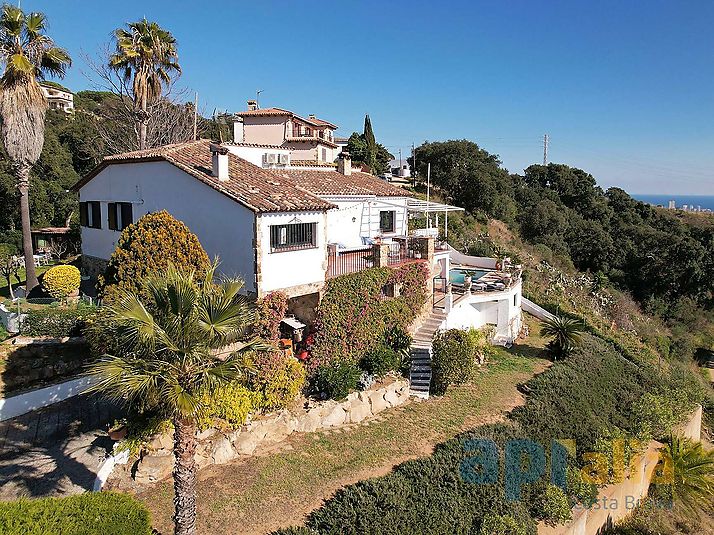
<point>264,493</point>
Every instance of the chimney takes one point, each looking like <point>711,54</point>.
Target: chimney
<point>238,131</point>
<point>311,116</point>
<point>252,105</point>
<point>219,161</point>
<point>344,163</point>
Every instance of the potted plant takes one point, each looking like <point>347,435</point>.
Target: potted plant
<point>118,430</point>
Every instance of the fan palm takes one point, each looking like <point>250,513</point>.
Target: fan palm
<point>565,333</point>
<point>145,56</point>
<point>691,469</point>
<point>28,56</point>
<point>187,339</point>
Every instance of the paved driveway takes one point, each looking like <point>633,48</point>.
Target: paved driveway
<point>55,451</point>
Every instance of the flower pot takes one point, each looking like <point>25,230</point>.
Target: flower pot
<point>118,433</point>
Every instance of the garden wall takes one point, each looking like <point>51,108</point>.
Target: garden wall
<point>615,502</point>
<point>216,447</point>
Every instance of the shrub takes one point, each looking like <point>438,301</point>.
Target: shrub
<point>552,505</point>
<point>278,380</point>
<point>381,361</point>
<point>456,355</point>
<point>93,513</point>
<point>148,246</point>
<point>657,414</point>
<point>61,281</point>
<point>400,341</point>
<point>270,310</point>
<point>56,322</point>
<point>336,379</point>
<point>230,403</point>
<point>579,490</point>
<point>501,525</point>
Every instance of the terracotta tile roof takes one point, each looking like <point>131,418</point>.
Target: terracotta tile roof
<point>317,122</point>
<point>255,145</point>
<point>297,139</point>
<point>320,182</point>
<point>52,230</point>
<point>254,187</point>
<point>311,163</point>
<point>264,112</point>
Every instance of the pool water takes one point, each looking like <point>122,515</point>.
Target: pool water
<point>456,275</point>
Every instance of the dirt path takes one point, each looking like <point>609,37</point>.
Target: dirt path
<point>264,493</point>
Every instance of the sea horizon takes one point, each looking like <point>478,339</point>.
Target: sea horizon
<point>705,201</point>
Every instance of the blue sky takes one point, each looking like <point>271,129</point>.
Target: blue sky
<point>625,89</point>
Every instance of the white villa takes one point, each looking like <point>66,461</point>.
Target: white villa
<point>290,228</point>
<point>58,98</point>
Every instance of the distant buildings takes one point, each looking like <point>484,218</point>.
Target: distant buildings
<point>58,98</point>
<point>672,205</point>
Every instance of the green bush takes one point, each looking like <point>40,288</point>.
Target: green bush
<point>456,356</point>
<point>270,311</point>
<point>277,382</point>
<point>148,246</point>
<point>93,513</point>
<point>381,361</point>
<point>231,404</point>
<point>551,505</point>
<point>658,413</point>
<point>56,322</point>
<point>501,525</point>
<point>336,379</point>
<point>580,491</point>
<point>61,281</point>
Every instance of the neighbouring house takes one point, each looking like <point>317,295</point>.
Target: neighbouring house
<point>289,228</point>
<point>58,98</point>
<point>54,240</point>
<point>310,140</point>
<point>400,168</point>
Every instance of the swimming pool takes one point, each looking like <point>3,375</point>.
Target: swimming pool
<point>456,275</point>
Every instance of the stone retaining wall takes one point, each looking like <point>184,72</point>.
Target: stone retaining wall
<point>216,447</point>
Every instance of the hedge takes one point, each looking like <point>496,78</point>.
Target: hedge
<point>100,513</point>
<point>61,281</point>
<point>56,322</point>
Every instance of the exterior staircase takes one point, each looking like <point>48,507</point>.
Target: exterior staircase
<point>420,371</point>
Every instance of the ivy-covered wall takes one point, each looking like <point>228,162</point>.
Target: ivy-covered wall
<point>356,310</point>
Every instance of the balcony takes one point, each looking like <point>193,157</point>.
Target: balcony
<point>309,133</point>
<point>396,253</point>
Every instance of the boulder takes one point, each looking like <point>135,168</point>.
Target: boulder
<point>334,417</point>
<point>358,411</point>
<point>246,442</point>
<point>280,428</point>
<point>308,421</point>
<point>202,457</point>
<point>153,468</point>
<point>206,434</point>
<point>223,451</point>
<point>377,402</point>
<point>391,397</point>
<point>162,441</point>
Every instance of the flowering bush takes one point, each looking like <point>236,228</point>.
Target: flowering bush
<point>270,310</point>
<point>277,382</point>
<point>230,403</point>
<point>61,281</point>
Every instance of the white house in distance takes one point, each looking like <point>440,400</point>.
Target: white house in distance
<point>285,227</point>
<point>58,98</point>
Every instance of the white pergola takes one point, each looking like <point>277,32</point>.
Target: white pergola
<point>427,207</point>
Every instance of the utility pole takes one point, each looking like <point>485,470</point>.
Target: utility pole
<point>546,140</point>
<point>195,117</point>
<point>428,188</point>
<point>414,171</point>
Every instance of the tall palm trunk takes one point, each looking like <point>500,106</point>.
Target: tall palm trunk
<point>184,477</point>
<point>143,123</point>
<point>23,185</point>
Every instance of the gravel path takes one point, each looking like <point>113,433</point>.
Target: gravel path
<point>55,451</point>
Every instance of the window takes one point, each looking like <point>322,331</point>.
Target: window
<point>293,237</point>
<point>90,214</point>
<point>386,220</point>
<point>120,215</point>
<point>324,155</point>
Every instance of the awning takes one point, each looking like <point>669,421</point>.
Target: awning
<point>418,205</point>
<point>292,322</point>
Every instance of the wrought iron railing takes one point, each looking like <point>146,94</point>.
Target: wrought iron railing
<point>350,261</point>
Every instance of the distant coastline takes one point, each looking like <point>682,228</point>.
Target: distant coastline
<point>705,201</point>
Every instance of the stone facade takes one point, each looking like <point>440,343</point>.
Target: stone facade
<point>92,266</point>
<point>216,447</point>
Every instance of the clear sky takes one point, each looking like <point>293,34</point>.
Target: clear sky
<point>625,89</point>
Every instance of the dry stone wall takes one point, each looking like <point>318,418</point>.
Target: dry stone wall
<point>216,447</point>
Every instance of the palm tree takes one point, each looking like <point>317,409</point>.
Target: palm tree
<point>29,56</point>
<point>690,471</point>
<point>566,333</point>
<point>190,337</point>
<point>146,56</point>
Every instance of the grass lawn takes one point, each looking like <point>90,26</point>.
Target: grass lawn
<point>264,493</point>
<point>5,291</point>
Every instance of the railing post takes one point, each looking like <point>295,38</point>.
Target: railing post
<point>381,254</point>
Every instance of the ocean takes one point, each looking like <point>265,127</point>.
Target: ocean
<point>705,201</point>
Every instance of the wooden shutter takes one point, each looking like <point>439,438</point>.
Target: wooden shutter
<point>96,214</point>
<point>83,214</point>
<point>127,215</point>
<point>112,209</point>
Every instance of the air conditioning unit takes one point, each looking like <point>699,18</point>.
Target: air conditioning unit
<point>269,159</point>
<point>283,159</point>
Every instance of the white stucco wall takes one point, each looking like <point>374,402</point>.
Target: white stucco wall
<point>500,309</point>
<point>224,227</point>
<point>254,155</point>
<point>282,270</point>
<point>302,150</point>
<point>341,229</point>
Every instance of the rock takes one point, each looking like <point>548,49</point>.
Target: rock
<point>309,421</point>
<point>336,416</point>
<point>353,397</point>
<point>202,457</point>
<point>377,402</point>
<point>391,397</point>
<point>246,442</point>
<point>358,411</point>
<point>162,441</point>
<point>206,434</point>
<point>153,468</point>
<point>223,451</point>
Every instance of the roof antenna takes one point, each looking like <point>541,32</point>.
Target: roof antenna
<point>257,98</point>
